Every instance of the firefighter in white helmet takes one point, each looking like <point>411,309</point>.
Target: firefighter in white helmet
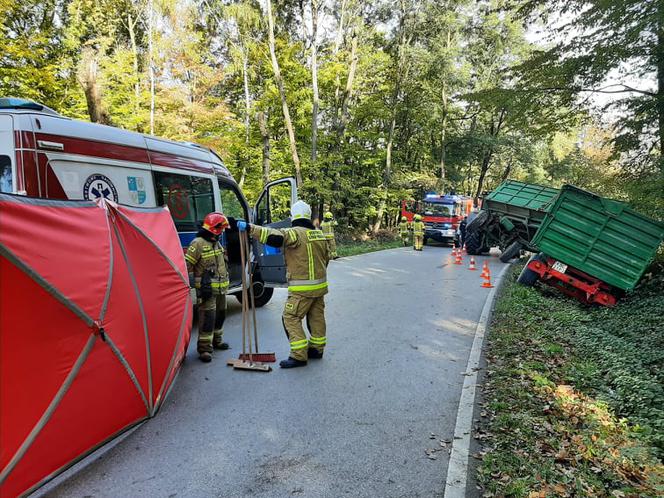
<point>307,252</point>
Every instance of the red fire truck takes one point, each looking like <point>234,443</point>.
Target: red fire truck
<point>441,214</point>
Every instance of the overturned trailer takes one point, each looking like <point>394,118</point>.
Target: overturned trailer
<point>591,248</point>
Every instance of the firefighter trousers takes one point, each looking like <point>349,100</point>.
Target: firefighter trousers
<point>418,241</point>
<point>298,308</point>
<point>404,238</point>
<point>211,316</point>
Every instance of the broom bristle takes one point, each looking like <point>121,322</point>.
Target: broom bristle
<point>262,357</point>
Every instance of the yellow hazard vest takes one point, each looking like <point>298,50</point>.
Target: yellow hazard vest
<point>327,227</point>
<point>403,228</point>
<point>418,228</point>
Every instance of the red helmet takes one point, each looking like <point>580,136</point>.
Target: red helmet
<point>215,223</point>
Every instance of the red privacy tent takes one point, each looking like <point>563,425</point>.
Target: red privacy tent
<point>95,318</point>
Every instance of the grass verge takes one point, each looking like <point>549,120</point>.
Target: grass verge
<point>361,247</point>
<point>573,400</point>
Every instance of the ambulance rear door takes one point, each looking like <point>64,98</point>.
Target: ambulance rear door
<point>273,210</point>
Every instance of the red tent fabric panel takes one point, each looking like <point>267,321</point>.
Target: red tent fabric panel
<point>74,237</point>
<point>162,289</point>
<point>55,261</point>
<point>36,355</point>
<point>160,228</point>
<point>123,322</point>
<point>93,409</point>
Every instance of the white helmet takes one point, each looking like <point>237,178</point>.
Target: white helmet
<point>300,210</point>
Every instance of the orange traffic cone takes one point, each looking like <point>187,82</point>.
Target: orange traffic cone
<point>458,260</point>
<point>485,269</point>
<point>465,251</point>
<point>487,279</point>
<point>472,264</point>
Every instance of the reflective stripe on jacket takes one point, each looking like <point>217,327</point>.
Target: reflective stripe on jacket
<point>203,255</point>
<point>307,255</point>
<point>418,228</point>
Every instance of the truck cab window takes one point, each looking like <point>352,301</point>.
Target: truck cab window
<point>6,181</point>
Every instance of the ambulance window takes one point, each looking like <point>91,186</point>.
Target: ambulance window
<point>230,202</point>
<point>189,198</point>
<point>6,182</point>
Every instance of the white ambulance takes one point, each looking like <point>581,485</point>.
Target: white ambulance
<point>43,154</point>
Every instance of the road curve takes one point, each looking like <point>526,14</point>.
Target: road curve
<point>357,423</point>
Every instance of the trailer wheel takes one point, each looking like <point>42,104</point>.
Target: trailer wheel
<point>474,243</point>
<point>512,251</point>
<point>527,276</point>
<point>478,221</point>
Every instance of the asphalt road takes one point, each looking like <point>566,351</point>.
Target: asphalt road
<point>356,423</point>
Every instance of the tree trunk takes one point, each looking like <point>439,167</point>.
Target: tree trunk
<point>247,100</point>
<point>87,77</point>
<point>344,117</point>
<point>337,45</point>
<point>401,69</point>
<point>262,124</point>
<point>151,62</point>
<point>131,24</point>
<point>486,160</point>
<point>314,79</point>
<point>282,94</point>
<point>442,140</point>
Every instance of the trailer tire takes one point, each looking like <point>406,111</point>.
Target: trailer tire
<point>474,243</point>
<point>262,294</point>
<point>478,221</point>
<point>511,252</point>
<point>528,277</point>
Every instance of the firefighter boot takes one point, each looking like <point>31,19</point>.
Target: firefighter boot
<point>315,354</point>
<point>292,363</point>
<point>205,357</point>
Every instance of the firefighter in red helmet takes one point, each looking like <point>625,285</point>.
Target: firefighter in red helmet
<point>206,265</point>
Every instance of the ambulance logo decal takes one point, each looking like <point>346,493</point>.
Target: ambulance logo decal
<point>98,186</point>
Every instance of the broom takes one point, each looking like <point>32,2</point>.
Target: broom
<point>251,360</point>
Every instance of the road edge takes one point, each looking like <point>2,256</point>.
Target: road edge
<point>456,479</point>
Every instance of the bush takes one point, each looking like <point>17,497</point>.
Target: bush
<point>386,236</point>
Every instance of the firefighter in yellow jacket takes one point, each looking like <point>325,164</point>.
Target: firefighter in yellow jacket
<point>404,229</point>
<point>307,253</point>
<point>418,233</point>
<point>206,265</point>
<point>327,226</point>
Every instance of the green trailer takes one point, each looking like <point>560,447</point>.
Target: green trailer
<point>510,216</point>
<point>593,248</point>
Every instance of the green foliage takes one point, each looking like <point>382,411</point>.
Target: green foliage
<point>582,390</point>
<point>444,72</point>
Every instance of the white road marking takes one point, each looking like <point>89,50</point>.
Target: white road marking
<point>457,469</point>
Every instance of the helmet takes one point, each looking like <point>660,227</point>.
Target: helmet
<point>403,218</point>
<point>418,217</point>
<point>327,216</point>
<point>215,223</point>
<point>300,210</point>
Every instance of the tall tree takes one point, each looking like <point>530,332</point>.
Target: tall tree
<point>282,94</point>
<point>614,48</point>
